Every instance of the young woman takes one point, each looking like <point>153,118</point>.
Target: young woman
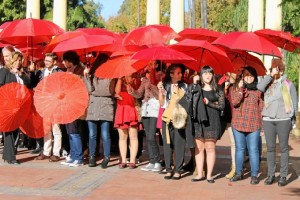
<point>280,107</point>
<point>126,120</point>
<point>100,112</point>
<point>150,109</point>
<point>172,84</point>
<point>246,122</point>
<point>207,98</point>
<point>11,73</point>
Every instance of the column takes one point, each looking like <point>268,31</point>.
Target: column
<point>177,16</point>
<point>273,20</point>
<point>33,9</point>
<point>153,12</point>
<point>60,13</point>
<point>256,17</point>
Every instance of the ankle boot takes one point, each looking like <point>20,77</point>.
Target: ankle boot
<point>236,177</point>
<point>231,173</point>
<point>92,161</point>
<point>282,181</point>
<point>269,180</point>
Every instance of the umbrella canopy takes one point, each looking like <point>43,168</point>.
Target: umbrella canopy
<point>119,67</point>
<point>61,98</point>
<point>241,59</point>
<point>33,53</point>
<point>62,37</point>
<point>96,31</point>
<point>84,43</point>
<point>162,53</point>
<point>198,34</point>
<point>148,36</point>
<point>204,54</point>
<point>35,126</point>
<point>281,39</point>
<point>29,31</point>
<point>15,106</point>
<point>248,41</point>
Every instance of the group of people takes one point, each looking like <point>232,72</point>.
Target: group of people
<point>188,111</point>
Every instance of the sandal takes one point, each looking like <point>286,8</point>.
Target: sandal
<point>122,165</point>
<point>131,165</point>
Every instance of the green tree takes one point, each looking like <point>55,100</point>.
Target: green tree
<point>12,9</point>
<point>81,13</point>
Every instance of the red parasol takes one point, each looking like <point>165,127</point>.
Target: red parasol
<point>119,67</point>
<point>61,97</point>
<point>148,36</point>
<point>62,37</point>
<point>241,59</point>
<point>29,31</point>
<point>35,126</point>
<point>198,34</point>
<point>204,54</point>
<point>281,39</point>
<point>248,41</point>
<point>84,43</point>
<point>15,106</point>
<point>162,53</point>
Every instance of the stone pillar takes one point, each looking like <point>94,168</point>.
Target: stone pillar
<point>153,12</point>
<point>60,13</point>
<point>256,17</point>
<point>33,9</point>
<point>273,20</point>
<point>177,16</point>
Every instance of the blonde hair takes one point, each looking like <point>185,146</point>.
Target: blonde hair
<point>14,57</point>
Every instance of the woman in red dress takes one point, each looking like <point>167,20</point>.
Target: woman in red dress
<point>127,120</point>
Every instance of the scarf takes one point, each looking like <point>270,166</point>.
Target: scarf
<point>251,86</point>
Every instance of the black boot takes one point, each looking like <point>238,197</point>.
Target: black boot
<point>105,162</point>
<point>92,161</point>
<point>282,181</point>
<point>269,180</point>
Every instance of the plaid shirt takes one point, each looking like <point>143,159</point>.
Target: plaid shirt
<point>247,108</point>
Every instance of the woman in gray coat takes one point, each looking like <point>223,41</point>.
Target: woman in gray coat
<point>280,107</point>
<point>100,112</point>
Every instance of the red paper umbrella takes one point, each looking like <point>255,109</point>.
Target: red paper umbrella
<point>198,34</point>
<point>281,39</point>
<point>148,36</point>
<point>61,98</point>
<point>35,126</point>
<point>119,67</point>
<point>4,25</point>
<point>204,54</point>
<point>15,106</point>
<point>29,31</point>
<point>33,53</point>
<point>248,41</point>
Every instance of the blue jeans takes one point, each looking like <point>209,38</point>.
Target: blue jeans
<point>105,135</point>
<point>251,141</point>
<point>75,140</point>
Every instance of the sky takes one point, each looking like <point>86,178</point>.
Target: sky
<point>110,7</point>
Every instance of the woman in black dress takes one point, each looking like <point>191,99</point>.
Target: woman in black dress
<point>207,129</point>
<point>9,74</point>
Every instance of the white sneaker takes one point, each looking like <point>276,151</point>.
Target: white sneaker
<point>76,163</point>
<point>67,161</point>
<point>157,167</point>
<point>148,167</point>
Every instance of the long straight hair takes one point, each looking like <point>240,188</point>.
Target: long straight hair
<point>208,69</point>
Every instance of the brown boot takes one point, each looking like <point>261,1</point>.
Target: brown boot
<point>41,157</point>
